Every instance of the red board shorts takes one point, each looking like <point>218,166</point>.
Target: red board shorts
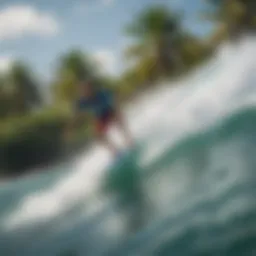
<point>103,122</point>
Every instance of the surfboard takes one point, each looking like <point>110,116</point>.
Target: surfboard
<point>125,156</point>
<point>123,170</point>
<point>122,156</point>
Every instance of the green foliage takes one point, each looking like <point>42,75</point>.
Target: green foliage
<point>156,32</point>
<point>73,67</point>
<point>19,91</point>
<point>193,50</point>
<point>162,48</point>
<point>233,16</point>
<point>154,23</point>
<point>37,139</point>
<point>6,101</point>
<point>30,141</point>
<point>25,87</point>
<point>78,63</point>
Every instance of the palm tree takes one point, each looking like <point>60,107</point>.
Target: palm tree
<point>24,88</point>
<point>76,61</point>
<point>4,108</point>
<point>73,66</point>
<point>155,31</point>
<point>233,16</point>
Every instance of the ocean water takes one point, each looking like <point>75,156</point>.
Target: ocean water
<point>187,188</point>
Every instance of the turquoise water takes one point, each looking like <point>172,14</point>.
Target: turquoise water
<point>188,188</point>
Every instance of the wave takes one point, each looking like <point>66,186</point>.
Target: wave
<point>191,174</point>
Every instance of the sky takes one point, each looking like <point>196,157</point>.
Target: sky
<point>39,31</point>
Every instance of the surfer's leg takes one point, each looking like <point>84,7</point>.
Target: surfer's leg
<point>101,135</point>
<point>123,127</point>
<point>108,144</point>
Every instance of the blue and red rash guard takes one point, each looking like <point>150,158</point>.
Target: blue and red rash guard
<point>101,105</point>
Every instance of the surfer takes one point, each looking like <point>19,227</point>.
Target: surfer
<point>105,110</point>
